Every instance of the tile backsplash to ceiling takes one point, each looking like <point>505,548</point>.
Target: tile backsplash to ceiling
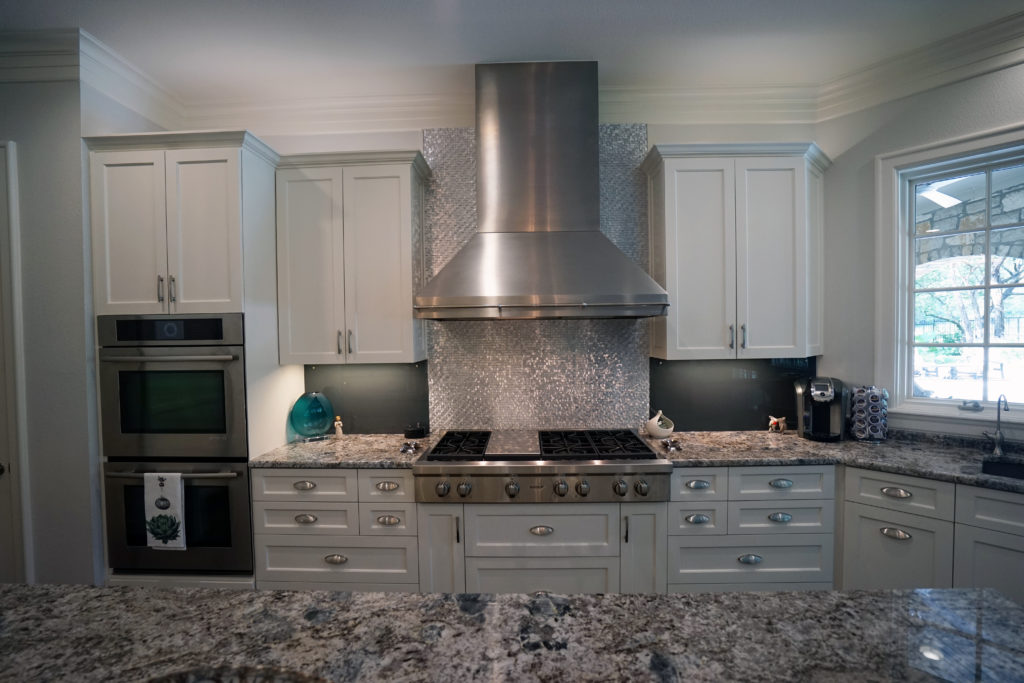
<point>535,373</point>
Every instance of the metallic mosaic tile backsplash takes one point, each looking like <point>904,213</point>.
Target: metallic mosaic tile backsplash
<point>535,374</point>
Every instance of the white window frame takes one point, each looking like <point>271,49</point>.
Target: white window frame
<point>893,245</point>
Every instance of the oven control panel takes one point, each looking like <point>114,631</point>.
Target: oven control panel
<point>546,488</point>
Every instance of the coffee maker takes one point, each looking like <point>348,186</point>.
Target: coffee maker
<point>822,404</point>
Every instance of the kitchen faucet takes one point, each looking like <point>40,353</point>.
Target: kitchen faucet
<point>1001,403</point>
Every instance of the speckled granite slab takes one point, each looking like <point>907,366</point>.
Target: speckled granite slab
<point>351,450</point>
<point>74,633</point>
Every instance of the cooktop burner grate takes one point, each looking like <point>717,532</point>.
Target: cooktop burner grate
<point>460,444</point>
<point>598,443</point>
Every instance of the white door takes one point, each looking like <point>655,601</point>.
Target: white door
<point>378,264</point>
<point>204,234</point>
<point>11,564</point>
<point>310,265</point>
<point>771,239</point>
<point>700,254</point>
<point>442,548</point>
<point>129,232</point>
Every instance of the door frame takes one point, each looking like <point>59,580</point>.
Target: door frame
<point>13,418</point>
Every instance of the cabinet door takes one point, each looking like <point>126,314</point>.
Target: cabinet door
<point>204,233</point>
<point>550,574</point>
<point>442,558</point>
<point>310,259</point>
<point>129,232</point>
<point>887,549</point>
<point>700,258</point>
<point>989,559</point>
<point>771,256</point>
<point>642,565</point>
<point>378,265</point>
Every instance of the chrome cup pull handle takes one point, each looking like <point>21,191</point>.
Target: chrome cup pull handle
<point>781,483</point>
<point>698,484</point>
<point>697,518</point>
<point>896,492</point>
<point>895,534</point>
<point>542,530</point>
<point>387,485</point>
<point>304,485</point>
<point>305,518</point>
<point>335,559</point>
<point>781,517</point>
<point>388,520</point>
<point>750,558</point>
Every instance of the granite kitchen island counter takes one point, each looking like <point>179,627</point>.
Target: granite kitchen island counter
<point>349,451</point>
<point>77,633</point>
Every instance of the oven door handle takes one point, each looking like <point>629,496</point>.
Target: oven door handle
<point>197,475</point>
<point>220,358</point>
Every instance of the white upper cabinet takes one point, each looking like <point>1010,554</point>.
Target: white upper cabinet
<point>735,239</point>
<point>166,222</point>
<point>349,257</point>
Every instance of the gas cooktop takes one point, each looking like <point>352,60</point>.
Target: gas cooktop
<point>573,444</point>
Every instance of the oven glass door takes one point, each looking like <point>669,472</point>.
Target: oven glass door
<point>159,402</point>
<point>216,510</point>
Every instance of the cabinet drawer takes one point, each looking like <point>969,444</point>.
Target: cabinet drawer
<point>329,485</point>
<point>898,492</point>
<point>542,530</point>
<point>386,518</point>
<point>351,559</point>
<point>989,509</point>
<point>280,517</point>
<point>793,482</point>
<point>890,549</point>
<point>782,517</point>
<point>802,558</point>
<point>552,574</point>
<point>330,586</point>
<point>988,559</point>
<point>698,518</point>
<point>700,483</point>
<point>386,484</point>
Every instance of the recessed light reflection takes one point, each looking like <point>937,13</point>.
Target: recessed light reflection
<point>931,653</point>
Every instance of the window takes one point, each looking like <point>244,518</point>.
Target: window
<point>950,276</point>
<point>967,283</point>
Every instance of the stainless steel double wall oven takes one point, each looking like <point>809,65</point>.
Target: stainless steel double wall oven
<point>172,399</point>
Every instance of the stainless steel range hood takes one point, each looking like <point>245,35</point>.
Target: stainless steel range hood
<point>539,251</point>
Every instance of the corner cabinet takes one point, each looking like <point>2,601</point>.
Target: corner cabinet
<point>350,256</point>
<point>167,220</point>
<point>735,235</point>
<point>988,547</point>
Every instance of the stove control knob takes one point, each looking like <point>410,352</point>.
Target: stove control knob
<point>442,489</point>
<point>512,489</point>
<point>583,487</point>
<point>464,488</point>
<point>561,487</point>
<point>642,488</point>
<point>620,487</point>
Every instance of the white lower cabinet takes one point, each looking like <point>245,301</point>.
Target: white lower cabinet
<point>642,559</point>
<point>442,554</point>
<point>752,558</point>
<point>988,549</point>
<point>552,574</point>
<point>335,529</point>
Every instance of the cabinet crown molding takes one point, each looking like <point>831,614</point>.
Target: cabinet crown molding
<point>183,140</point>
<point>413,157</point>
<point>808,150</point>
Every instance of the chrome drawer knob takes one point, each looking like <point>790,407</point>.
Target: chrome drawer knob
<point>781,517</point>
<point>305,485</point>
<point>896,492</point>
<point>895,534</point>
<point>542,530</point>
<point>387,486</point>
<point>750,558</point>
<point>305,518</point>
<point>388,520</point>
<point>698,484</point>
<point>335,559</point>
<point>781,483</point>
<point>698,518</point>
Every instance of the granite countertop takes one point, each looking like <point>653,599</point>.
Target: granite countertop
<point>943,458</point>
<point>78,633</point>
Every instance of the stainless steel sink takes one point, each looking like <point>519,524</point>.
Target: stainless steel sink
<point>1001,468</point>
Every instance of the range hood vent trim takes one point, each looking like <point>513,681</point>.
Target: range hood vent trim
<point>539,252</point>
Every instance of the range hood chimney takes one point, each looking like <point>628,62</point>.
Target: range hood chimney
<point>539,251</point>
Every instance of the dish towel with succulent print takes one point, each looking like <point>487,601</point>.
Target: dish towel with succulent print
<point>165,520</point>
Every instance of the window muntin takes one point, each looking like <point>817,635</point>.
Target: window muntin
<point>966,312</point>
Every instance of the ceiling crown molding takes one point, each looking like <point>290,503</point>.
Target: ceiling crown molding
<point>117,78</point>
<point>38,56</point>
<point>708,105</point>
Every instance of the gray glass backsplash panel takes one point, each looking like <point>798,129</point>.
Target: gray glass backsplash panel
<point>536,374</point>
<point>373,399</point>
<point>717,395</point>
